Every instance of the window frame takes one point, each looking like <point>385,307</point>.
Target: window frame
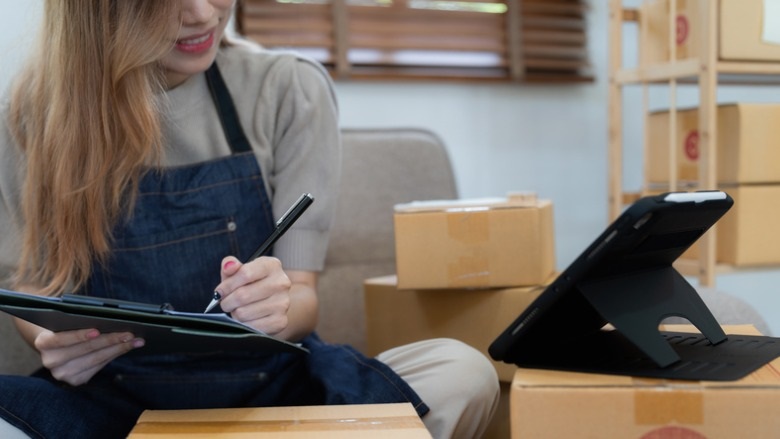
<point>541,41</point>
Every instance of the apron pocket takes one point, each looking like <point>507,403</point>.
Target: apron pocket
<point>175,235</point>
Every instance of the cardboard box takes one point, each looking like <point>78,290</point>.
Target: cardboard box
<point>553,404</point>
<point>748,235</point>
<point>474,243</point>
<point>337,421</point>
<point>741,25</point>
<point>746,146</point>
<point>396,316</point>
<point>655,19</point>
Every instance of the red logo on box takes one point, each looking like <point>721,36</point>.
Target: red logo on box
<point>691,146</point>
<point>683,29</point>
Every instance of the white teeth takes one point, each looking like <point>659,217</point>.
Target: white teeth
<point>196,40</point>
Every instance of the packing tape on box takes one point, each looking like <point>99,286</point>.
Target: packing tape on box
<point>668,406</point>
<point>470,228</point>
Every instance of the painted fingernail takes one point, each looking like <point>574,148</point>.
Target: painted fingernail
<point>94,333</point>
<point>217,296</point>
<point>139,343</point>
<point>228,264</point>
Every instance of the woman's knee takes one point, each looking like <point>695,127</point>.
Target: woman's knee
<point>457,382</point>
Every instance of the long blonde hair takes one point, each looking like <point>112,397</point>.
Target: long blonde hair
<point>85,111</point>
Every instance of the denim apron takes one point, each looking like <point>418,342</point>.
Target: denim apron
<point>186,219</point>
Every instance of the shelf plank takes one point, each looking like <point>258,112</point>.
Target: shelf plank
<point>749,68</point>
<point>659,73</point>
<point>729,72</point>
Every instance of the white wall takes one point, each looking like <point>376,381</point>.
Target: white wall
<point>17,25</point>
<point>502,138</point>
<point>509,137</point>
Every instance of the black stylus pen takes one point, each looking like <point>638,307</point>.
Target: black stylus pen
<point>284,223</point>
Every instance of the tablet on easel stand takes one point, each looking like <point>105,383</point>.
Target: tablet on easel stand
<point>602,314</point>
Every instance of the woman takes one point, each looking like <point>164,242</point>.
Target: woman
<point>144,156</point>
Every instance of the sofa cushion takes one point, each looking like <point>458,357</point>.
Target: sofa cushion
<point>380,168</point>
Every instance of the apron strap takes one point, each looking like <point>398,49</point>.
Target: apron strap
<point>228,116</point>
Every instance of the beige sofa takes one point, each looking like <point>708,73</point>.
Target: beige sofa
<point>381,167</point>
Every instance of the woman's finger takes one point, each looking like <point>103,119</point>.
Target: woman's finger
<point>89,349</point>
<point>79,369</point>
<point>57,340</point>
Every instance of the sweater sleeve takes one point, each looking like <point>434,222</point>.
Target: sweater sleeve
<point>306,158</point>
<point>10,209</point>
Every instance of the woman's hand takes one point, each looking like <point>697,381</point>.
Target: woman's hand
<point>74,357</point>
<point>261,294</point>
<point>256,293</point>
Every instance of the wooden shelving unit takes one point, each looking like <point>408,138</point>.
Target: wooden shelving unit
<point>707,72</point>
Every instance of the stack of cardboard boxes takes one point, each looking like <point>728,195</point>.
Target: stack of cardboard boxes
<point>459,269</point>
<point>748,160</point>
<point>748,170</point>
<point>465,270</point>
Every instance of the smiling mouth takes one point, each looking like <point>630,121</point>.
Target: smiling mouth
<point>196,44</point>
<point>196,40</point>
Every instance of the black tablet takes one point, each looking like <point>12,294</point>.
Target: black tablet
<point>166,331</point>
<point>602,314</point>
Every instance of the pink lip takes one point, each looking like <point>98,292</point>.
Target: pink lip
<point>196,44</point>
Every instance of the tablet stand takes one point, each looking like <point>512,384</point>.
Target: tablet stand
<point>602,315</point>
<point>636,303</point>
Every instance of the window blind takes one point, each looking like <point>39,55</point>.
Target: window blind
<point>509,40</point>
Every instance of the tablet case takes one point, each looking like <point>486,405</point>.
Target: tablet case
<point>165,331</point>
<point>625,278</point>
